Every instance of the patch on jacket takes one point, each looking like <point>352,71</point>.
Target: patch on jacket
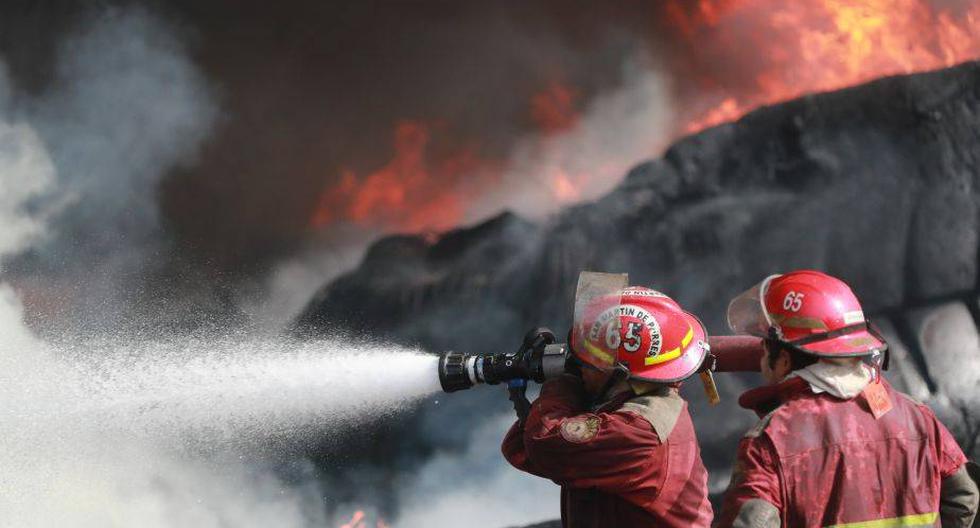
<point>661,411</point>
<point>580,429</point>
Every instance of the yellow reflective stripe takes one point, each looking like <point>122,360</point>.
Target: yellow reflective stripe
<point>673,353</point>
<point>599,353</point>
<point>922,519</point>
<point>661,358</point>
<point>687,337</point>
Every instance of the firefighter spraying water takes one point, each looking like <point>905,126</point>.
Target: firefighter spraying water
<point>610,425</point>
<point>541,357</point>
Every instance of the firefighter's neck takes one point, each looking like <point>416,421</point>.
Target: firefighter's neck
<point>645,388</point>
<point>595,381</point>
<point>601,386</point>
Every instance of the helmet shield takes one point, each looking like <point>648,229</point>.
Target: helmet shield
<point>808,311</point>
<point>747,313</point>
<point>591,287</point>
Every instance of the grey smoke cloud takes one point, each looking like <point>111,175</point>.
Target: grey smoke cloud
<point>125,106</point>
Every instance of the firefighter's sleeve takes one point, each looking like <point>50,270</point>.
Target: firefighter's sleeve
<point>513,449</point>
<point>951,457</point>
<point>958,497</point>
<point>613,452</point>
<point>753,497</point>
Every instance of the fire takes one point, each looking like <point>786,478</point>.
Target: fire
<point>553,109</point>
<point>786,49</point>
<point>411,192</point>
<point>420,190</point>
<point>728,57</point>
<point>359,520</point>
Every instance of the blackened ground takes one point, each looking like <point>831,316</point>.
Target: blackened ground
<point>877,184</point>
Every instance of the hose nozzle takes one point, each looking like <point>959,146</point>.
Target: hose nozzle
<point>538,359</point>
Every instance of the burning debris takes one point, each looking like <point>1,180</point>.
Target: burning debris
<point>812,46</point>
<point>797,48</point>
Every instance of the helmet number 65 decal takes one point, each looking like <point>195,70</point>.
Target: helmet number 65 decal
<point>793,301</point>
<point>632,339</point>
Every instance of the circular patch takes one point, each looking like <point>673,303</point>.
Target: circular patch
<point>580,429</point>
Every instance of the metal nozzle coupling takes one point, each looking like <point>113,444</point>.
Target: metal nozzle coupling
<point>539,358</point>
<point>453,373</point>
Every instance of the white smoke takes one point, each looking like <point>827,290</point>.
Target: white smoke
<point>476,485</point>
<point>117,119</point>
<point>125,107</point>
<point>286,290</point>
<point>617,129</point>
<point>26,173</point>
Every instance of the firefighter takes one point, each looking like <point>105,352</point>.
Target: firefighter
<point>613,431</point>
<point>836,446</point>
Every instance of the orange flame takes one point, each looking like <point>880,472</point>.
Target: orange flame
<point>553,109</point>
<point>410,192</point>
<point>356,522</point>
<point>792,48</point>
<point>359,520</point>
<point>414,192</point>
<point>739,54</point>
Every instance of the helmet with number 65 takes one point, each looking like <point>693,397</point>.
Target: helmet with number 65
<point>807,311</point>
<point>643,331</point>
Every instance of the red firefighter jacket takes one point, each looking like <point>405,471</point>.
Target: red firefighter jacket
<point>816,460</point>
<point>633,462</point>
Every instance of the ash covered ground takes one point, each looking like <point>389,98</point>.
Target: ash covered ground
<point>876,184</point>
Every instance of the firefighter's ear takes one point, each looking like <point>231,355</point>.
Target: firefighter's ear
<point>783,365</point>
<point>776,363</point>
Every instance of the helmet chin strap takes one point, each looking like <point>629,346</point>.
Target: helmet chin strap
<point>620,373</point>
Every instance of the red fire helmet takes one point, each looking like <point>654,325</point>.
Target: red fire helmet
<point>643,330</point>
<point>809,311</point>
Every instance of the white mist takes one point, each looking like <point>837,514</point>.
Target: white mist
<point>174,433</point>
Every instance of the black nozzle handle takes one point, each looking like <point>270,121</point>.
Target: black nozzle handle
<point>517,389</point>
